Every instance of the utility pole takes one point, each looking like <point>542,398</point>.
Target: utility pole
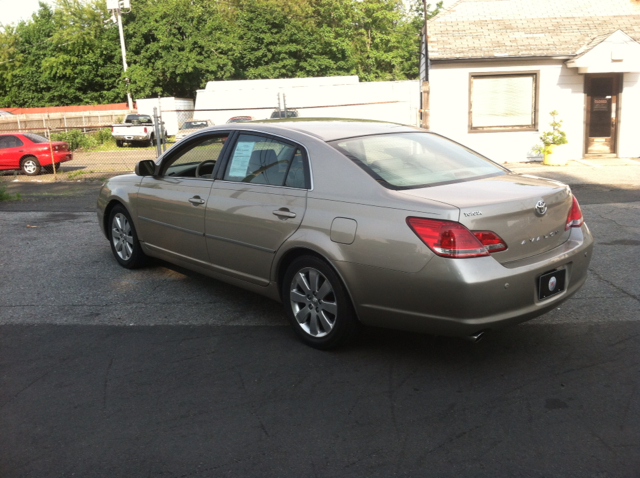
<point>115,6</point>
<point>425,90</point>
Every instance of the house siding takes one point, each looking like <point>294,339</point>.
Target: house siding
<point>629,124</point>
<point>560,88</point>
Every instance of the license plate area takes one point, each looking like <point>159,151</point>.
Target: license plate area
<point>551,283</point>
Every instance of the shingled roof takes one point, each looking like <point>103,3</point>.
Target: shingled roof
<point>527,28</point>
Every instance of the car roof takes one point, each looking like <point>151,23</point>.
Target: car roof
<point>328,129</point>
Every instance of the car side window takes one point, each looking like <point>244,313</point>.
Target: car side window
<point>197,158</point>
<point>261,160</point>
<point>10,141</point>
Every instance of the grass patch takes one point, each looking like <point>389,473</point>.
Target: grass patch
<point>5,196</point>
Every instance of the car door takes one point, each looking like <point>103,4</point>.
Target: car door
<point>11,150</point>
<point>258,201</point>
<point>171,206</point>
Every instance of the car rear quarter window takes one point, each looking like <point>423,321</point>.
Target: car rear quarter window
<point>412,160</point>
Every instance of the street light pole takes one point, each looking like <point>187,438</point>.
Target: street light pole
<point>115,6</point>
<point>425,87</point>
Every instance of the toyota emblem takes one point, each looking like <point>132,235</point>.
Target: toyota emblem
<point>541,208</point>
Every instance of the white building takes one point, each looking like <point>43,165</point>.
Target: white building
<point>323,97</point>
<point>499,67</point>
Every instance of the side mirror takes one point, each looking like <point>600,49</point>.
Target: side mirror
<point>145,167</point>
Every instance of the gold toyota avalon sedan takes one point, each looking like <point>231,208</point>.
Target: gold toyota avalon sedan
<point>353,222</point>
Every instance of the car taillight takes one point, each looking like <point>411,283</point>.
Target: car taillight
<point>575,215</point>
<point>112,129</point>
<point>491,241</point>
<point>447,238</point>
<point>145,129</point>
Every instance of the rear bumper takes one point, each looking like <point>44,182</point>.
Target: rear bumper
<point>58,157</point>
<point>129,137</point>
<point>464,296</point>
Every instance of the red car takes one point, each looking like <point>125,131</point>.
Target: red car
<point>30,152</point>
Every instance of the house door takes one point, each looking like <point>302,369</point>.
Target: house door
<point>602,112</point>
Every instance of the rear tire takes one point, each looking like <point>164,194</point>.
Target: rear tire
<point>119,143</point>
<point>124,239</point>
<point>49,168</point>
<point>317,304</point>
<point>30,166</point>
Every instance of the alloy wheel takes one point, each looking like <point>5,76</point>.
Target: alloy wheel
<point>122,237</point>
<point>313,302</point>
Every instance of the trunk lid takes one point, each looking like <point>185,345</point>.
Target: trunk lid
<point>506,205</point>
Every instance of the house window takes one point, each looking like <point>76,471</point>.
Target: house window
<point>503,102</point>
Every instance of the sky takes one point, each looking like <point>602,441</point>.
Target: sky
<point>12,11</point>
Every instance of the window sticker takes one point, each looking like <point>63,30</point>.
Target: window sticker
<point>241,157</point>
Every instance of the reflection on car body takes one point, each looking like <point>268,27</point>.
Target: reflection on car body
<point>350,223</point>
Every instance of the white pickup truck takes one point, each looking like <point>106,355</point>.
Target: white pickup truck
<point>137,128</point>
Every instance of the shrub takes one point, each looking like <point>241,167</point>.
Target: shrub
<point>74,137</point>
<point>79,140</point>
<point>103,136</point>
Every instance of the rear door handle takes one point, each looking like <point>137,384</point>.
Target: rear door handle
<point>196,200</point>
<point>284,213</point>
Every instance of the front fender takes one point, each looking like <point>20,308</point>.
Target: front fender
<point>119,190</point>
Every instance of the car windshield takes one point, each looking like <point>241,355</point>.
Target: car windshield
<point>194,124</point>
<point>35,138</point>
<point>411,160</point>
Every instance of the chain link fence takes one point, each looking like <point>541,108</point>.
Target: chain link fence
<point>96,152</point>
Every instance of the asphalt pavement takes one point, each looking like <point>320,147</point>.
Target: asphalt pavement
<point>107,372</point>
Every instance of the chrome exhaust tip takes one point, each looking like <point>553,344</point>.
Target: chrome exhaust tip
<point>475,338</point>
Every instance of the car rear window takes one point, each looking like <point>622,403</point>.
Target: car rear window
<point>138,119</point>
<point>35,138</point>
<point>412,160</point>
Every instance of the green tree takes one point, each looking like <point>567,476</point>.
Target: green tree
<point>70,54</point>
<point>62,56</point>
<point>175,46</point>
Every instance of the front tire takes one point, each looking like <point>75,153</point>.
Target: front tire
<point>30,166</point>
<point>317,304</point>
<point>124,239</point>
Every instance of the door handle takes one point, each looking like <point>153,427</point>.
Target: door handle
<point>284,213</point>
<point>196,200</point>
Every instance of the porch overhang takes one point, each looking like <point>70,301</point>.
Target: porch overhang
<point>615,53</point>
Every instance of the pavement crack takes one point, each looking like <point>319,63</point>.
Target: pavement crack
<point>615,286</point>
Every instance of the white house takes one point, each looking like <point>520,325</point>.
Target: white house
<point>499,67</point>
